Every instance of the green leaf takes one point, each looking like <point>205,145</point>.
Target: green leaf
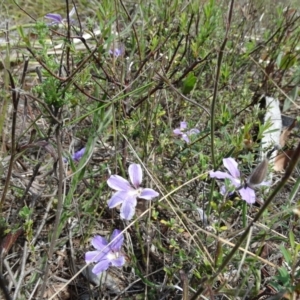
<point>279,59</point>
<point>25,212</point>
<point>219,255</point>
<point>189,83</point>
<point>24,37</point>
<point>287,61</point>
<point>287,255</point>
<point>154,43</point>
<point>283,275</point>
<point>292,239</point>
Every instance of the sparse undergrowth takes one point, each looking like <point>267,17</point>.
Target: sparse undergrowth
<point>167,89</point>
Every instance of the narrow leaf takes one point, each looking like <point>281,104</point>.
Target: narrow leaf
<point>189,83</point>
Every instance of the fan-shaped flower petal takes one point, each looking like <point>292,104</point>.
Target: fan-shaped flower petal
<point>128,208</point>
<point>117,240</point>
<point>99,242</point>
<point>118,183</point>
<point>117,198</point>
<point>248,195</point>
<point>101,266</point>
<point>56,18</point>
<point>232,166</point>
<point>118,262</point>
<point>135,174</point>
<point>148,194</point>
<point>93,256</point>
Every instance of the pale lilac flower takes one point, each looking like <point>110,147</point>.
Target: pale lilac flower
<point>107,254</point>
<point>184,133</point>
<point>76,156</point>
<point>127,193</point>
<point>117,50</point>
<point>247,193</point>
<point>57,19</point>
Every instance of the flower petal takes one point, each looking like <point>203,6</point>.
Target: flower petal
<point>248,195</point>
<point>99,242</point>
<point>117,50</point>
<point>72,12</point>
<point>220,175</point>
<point>117,239</point>
<point>177,131</point>
<point>101,266</point>
<point>185,137</point>
<point>148,194</point>
<point>223,190</point>
<point>223,175</point>
<point>56,18</point>
<point>117,198</point>
<point>135,174</point>
<point>118,183</point>
<point>77,155</point>
<point>193,131</point>
<point>128,208</point>
<point>232,166</point>
<point>93,256</point>
<point>183,125</point>
<point>118,262</point>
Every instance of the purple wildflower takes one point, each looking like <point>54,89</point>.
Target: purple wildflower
<point>184,133</point>
<point>247,193</point>
<point>57,19</point>
<point>127,194</point>
<point>107,254</point>
<point>117,50</point>
<point>77,155</point>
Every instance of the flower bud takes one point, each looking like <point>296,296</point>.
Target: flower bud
<point>259,174</point>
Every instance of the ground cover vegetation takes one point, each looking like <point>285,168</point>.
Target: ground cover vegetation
<point>130,150</point>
